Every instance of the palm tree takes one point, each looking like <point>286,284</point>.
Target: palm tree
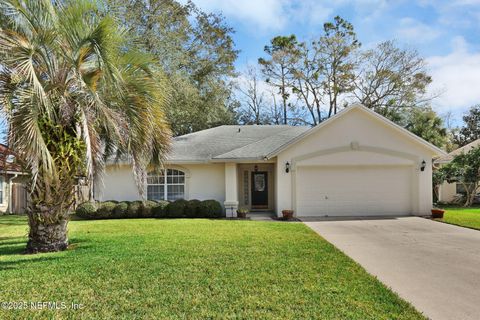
<point>75,93</point>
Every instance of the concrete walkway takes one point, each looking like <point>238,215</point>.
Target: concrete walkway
<point>433,265</point>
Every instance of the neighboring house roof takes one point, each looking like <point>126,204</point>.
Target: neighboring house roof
<point>435,150</point>
<point>465,149</point>
<point>7,160</point>
<point>232,142</point>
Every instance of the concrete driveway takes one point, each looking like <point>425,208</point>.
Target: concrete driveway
<point>433,265</point>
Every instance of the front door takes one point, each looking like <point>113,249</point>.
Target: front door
<point>260,190</point>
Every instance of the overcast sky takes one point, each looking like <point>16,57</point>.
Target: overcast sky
<point>446,33</point>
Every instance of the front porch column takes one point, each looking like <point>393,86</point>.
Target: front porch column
<point>231,190</point>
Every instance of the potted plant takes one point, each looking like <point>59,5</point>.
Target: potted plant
<point>242,213</point>
<point>437,213</point>
<point>287,214</point>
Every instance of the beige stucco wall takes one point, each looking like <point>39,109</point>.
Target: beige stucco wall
<point>117,183</point>
<point>203,181</point>
<point>356,138</point>
<point>206,181</point>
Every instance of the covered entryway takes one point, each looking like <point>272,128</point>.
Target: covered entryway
<point>354,190</point>
<point>256,186</point>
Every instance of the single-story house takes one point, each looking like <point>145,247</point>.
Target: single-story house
<point>448,192</point>
<point>13,196</point>
<point>356,163</point>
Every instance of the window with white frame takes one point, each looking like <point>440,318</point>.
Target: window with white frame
<point>171,187</point>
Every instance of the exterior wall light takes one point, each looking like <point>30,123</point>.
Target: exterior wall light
<point>423,165</point>
<point>255,168</point>
<point>287,167</point>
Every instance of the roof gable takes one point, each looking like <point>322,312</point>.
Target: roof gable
<point>393,126</point>
<point>466,148</point>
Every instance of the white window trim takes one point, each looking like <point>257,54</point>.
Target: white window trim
<point>165,185</point>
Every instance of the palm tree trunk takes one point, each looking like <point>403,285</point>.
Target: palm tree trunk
<point>46,236</point>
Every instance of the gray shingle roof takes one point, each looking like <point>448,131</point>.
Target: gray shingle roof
<point>232,142</point>
<point>465,149</point>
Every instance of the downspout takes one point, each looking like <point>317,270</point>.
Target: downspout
<point>10,183</point>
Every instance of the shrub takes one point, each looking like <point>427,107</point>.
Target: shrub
<point>176,209</point>
<point>133,210</point>
<point>120,210</point>
<point>86,210</point>
<point>192,209</point>
<point>211,209</point>
<point>146,209</point>
<point>159,210</point>
<point>105,210</point>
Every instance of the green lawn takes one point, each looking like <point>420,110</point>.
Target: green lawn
<point>465,217</point>
<point>191,269</point>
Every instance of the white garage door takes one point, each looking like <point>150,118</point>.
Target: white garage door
<point>353,191</point>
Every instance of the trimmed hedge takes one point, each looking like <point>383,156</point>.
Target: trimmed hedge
<point>211,209</point>
<point>86,210</point>
<point>176,209</point>
<point>120,210</point>
<point>133,210</point>
<point>146,209</point>
<point>159,209</point>
<point>192,209</point>
<point>105,210</point>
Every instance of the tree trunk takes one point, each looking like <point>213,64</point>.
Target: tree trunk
<point>471,196</point>
<point>46,236</point>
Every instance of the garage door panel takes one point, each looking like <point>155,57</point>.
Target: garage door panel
<point>353,191</point>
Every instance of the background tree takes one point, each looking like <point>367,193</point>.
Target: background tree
<point>438,177</point>
<point>465,169</point>
<point>389,78</point>
<point>332,72</point>
<point>197,52</point>
<point>318,73</point>
<point>253,98</point>
<point>470,131</point>
<point>75,93</point>
<point>275,113</point>
<point>336,49</point>
<point>277,69</point>
<point>425,123</point>
<point>307,82</point>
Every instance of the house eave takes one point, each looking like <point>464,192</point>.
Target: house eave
<point>435,150</point>
<point>243,160</point>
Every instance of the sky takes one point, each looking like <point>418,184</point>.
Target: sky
<point>446,34</point>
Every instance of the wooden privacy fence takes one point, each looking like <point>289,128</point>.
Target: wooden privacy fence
<point>19,198</point>
<point>81,195</point>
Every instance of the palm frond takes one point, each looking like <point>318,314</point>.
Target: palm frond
<point>73,87</point>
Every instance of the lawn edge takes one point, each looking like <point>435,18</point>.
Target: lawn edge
<point>454,224</point>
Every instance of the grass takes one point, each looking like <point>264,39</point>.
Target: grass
<point>191,269</point>
<point>465,217</point>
